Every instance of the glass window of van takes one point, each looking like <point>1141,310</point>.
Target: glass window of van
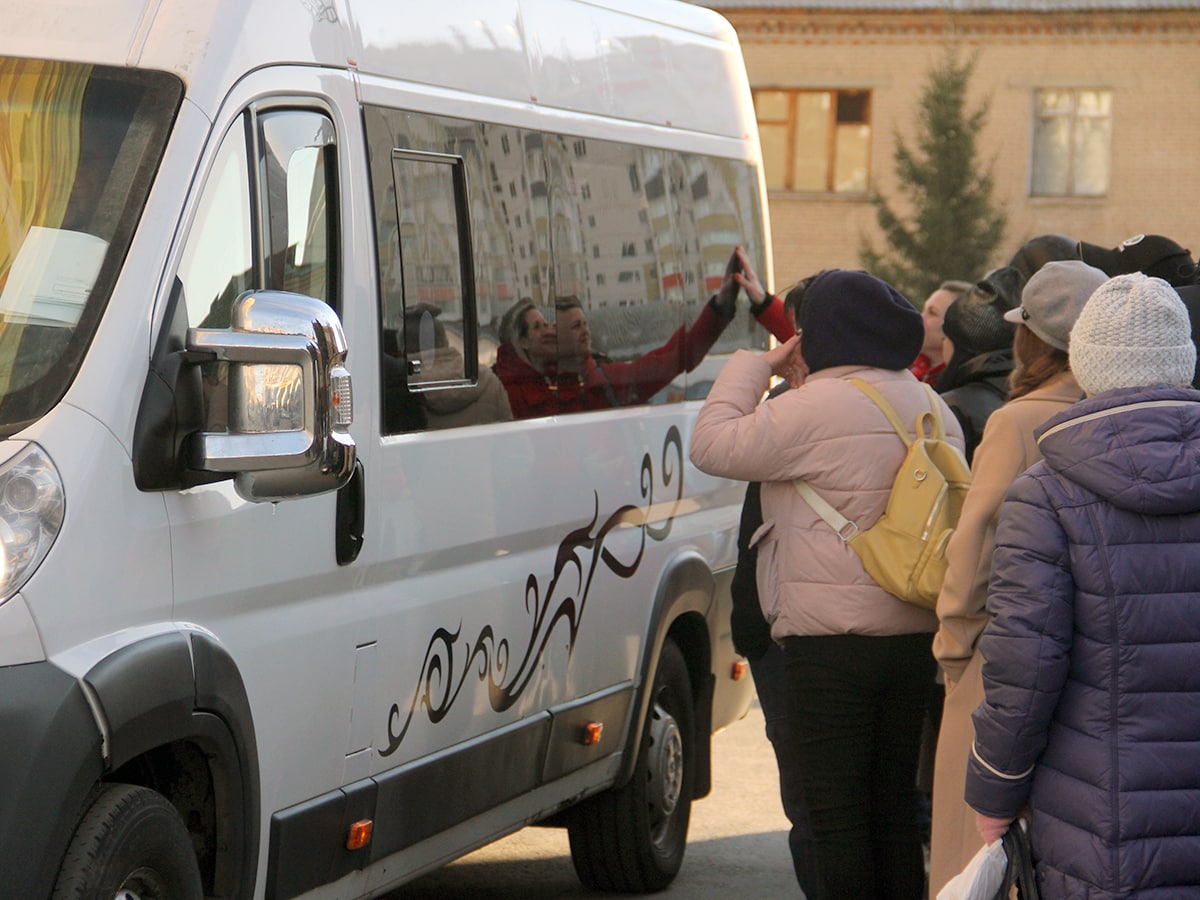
<point>443,220</point>
<point>79,147</point>
<point>299,203</point>
<point>218,258</point>
<point>592,260</point>
<point>229,251</point>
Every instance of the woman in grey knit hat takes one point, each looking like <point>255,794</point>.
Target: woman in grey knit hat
<point>1091,718</point>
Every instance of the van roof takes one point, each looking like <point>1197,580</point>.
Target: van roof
<point>664,62</point>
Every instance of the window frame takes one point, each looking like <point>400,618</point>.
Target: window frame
<point>1074,152</point>
<point>790,125</point>
<point>466,266</point>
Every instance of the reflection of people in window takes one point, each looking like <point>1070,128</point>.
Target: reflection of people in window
<point>432,359</point>
<point>552,369</point>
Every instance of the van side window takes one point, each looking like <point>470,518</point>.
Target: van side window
<point>294,248</point>
<point>228,251</point>
<point>300,203</point>
<point>429,336</point>
<point>427,218</point>
<point>218,259</point>
<point>592,261</point>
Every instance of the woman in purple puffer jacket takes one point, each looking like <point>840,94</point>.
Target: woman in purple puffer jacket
<point>1092,660</point>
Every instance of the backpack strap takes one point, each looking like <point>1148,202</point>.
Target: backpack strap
<point>938,427</point>
<point>846,529</point>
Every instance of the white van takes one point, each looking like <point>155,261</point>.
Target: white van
<point>297,597</point>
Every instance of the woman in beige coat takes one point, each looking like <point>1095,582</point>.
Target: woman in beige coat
<point>1042,385</point>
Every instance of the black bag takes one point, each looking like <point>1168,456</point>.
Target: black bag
<point>1019,872</point>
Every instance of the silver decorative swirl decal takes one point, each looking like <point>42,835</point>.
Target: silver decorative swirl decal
<point>443,679</point>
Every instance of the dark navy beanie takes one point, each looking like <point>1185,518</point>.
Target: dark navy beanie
<point>855,319</point>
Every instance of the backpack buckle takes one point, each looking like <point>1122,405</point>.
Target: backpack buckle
<point>848,532</point>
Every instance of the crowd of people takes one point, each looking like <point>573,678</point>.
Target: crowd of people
<point>1061,644</point>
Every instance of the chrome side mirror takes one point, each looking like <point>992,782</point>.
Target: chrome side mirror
<point>290,398</point>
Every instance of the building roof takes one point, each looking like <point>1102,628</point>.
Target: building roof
<point>955,5</point>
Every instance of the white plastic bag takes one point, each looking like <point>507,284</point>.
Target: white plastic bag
<point>981,879</point>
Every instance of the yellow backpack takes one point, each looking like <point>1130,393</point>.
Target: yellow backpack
<point>905,550</point>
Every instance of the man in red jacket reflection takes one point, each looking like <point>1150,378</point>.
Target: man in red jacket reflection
<point>550,369</point>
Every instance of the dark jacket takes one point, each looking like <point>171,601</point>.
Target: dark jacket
<point>1092,660</point>
<point>975,390</point>
<point>603,384</point>
<point>749,627</point>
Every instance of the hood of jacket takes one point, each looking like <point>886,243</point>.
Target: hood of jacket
<point>1138,448</point>
<point>995,364</point>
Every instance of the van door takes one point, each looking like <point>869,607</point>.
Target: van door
<point>265,578</point>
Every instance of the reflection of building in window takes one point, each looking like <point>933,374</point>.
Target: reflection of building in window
<point>815,140</point>
<point>643,234</point>
<point>1072,132</point>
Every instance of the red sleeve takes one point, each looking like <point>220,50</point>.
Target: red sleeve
<point>640,379</point>
<point>775,320</point>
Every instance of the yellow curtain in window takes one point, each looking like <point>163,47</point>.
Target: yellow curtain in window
<point>40,113</point>
<point>41,106</point>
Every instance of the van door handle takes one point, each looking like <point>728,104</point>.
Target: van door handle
<point>351,500</point>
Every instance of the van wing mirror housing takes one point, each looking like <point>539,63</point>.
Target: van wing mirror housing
<point>290,398</point>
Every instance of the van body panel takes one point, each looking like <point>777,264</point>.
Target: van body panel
<point>77,31</point>
<point>19,639</point>
<point>110,568</point>
<point>496,48</point>
<point>573,56</point>
<point>517,580</point>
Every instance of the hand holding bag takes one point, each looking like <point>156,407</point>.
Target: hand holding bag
<point>1019,872</point>
<point>996,869</point>
<point>981,879</point>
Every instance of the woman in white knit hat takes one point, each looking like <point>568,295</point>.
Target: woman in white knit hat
<point>1091,718</point>
<point>1041,386</point>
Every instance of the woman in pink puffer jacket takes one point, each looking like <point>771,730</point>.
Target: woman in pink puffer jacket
<point>859,664</point>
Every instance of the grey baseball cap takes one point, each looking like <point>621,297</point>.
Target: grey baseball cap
<point>1053,298</point>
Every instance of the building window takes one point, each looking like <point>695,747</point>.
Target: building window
<point>1072,133</point>
<point>815,140</point>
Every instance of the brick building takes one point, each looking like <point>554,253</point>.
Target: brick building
<point>1092,127</point>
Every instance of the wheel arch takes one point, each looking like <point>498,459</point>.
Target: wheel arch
<point>178,721</point>
<point>681,602</point>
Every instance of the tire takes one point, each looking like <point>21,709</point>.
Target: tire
<point>632,838</point>
<point>129,845</point>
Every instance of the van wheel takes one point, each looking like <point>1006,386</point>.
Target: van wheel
<point>129,845</point>
<point>632,838</point>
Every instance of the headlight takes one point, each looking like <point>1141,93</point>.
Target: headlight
<point>31,513</point>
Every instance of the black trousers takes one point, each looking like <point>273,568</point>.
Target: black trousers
<point>855,708</point>
<point>770,680</point>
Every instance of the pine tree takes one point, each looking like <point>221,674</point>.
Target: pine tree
<point>954,225</point>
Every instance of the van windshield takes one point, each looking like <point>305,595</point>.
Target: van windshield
<point>79,146</point>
